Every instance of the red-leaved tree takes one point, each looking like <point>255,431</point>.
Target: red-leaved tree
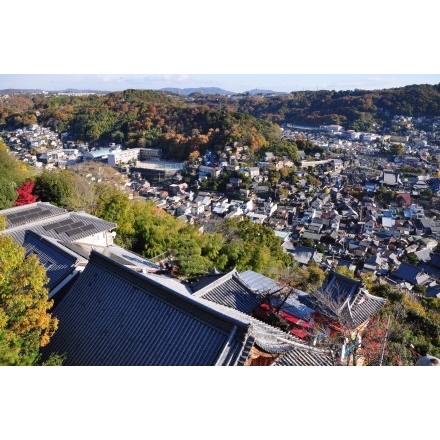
<point>25,195</point>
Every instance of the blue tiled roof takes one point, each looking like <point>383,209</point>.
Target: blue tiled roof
<point>115,316</point>
<point>410,273</point>
<point>58,262</point>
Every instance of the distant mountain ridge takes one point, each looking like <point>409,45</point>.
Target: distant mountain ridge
<point>217,91</point>
<point>203,90</point>
<point>263,92</point>
<point>183,92</point>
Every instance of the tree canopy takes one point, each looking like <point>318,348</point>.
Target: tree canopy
<point>12,174</point>
<point>26,323</point>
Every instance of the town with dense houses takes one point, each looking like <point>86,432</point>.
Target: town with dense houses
<point>366,202</point>
<point>317,219</point>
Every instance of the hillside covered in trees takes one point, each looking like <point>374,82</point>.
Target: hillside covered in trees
<point>180,125</point>
<point>141,119</point>
<point>353,109</point>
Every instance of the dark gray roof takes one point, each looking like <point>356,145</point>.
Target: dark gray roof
<point>390,178</point>
<point>340,287</point>
<point>205,281</point>
<point>115,316</point>
<point>364,307</point>
<point>304,254</point>
<point>231,291</point>
<point>267,337</point>
<point>304,357</point>
<point>412,274</point>
<point>348,301</point>
<point>57,261</point>
<point>312,235</point>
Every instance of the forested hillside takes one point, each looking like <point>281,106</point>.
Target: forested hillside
<point>180,125</point>
<point>144,118</point>
<point>358,109</point>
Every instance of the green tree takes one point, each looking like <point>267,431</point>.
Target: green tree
<point>344,270</point>
<point>54,187</point>
<point>397,149</point>
<point>12,174</point>
<point>3,222</point>
<point>8,193</point>
<point>26,323</point>
<point>189,258</point>
<point>412,323</point>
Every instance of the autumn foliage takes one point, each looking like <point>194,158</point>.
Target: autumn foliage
<point>26,323</point>
<point>25,196</point>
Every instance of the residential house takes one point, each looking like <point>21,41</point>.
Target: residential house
<point>390,178</point>
<point>338,164</point>
<point>304,255</point>
<point>412,274</point>
<point>253,172</point>
<point>205,171</point>
<point>403,199</point>
<point>268,156</point>
<point>376,264</point>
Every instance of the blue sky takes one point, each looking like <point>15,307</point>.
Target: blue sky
<point>230,82</point>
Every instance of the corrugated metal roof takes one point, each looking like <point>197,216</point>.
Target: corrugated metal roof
<point>115,316</point>
<point>259,282</point>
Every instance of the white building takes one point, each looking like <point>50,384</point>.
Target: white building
<point>122,156</point>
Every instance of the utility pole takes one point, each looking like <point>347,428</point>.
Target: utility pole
<point>384,341</point>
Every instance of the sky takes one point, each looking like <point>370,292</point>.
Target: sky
<point>280,47</point>
<point>236,83</point>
